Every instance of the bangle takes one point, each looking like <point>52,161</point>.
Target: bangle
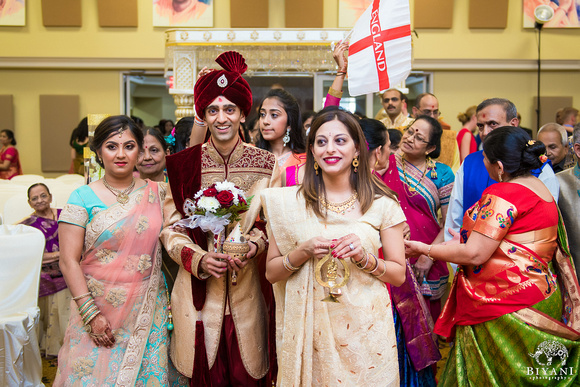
<point>429,254</point>
<point>81,296</point>
<point>359,264</point>
<point>383,273</point>
<point>198,121</point>
<point>92,317</point>
<point>376,267</point>
<point>287,265</point>
<point>374,264</point>
<point>340,73</point>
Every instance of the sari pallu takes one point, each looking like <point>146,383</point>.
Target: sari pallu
<point>516,318</point>
<point>418,347</point>
<point>420,202</point>
<point>121,263</point>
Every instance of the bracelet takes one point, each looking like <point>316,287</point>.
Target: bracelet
<point>374,268</point>
<point>83,310</point>
<point>383,273</point>
<point>429,253</point>
<point>88,318</point>
<point>287,265</point>
<point>81,296</point>
<point>358,264</point>
<point>92,317</point>
<point>340,73</point>
<point>198,121</point>
<point>84,303</point>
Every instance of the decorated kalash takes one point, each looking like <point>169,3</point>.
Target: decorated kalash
<point>211,229</point>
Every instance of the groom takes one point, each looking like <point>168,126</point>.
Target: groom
<point>221,329</point>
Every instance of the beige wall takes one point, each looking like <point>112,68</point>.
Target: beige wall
<point>459,90</point>
<point>99,90</point>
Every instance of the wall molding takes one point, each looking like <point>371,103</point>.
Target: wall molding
<point>157,64</point>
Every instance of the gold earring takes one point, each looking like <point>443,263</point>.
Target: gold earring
<point>316,167</point>
<point>499,174</point>
<point>355,163</point>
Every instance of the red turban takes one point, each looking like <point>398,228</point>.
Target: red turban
<point>227,82</point>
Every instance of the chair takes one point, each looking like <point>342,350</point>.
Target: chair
<point>20,259</point>
<point>74,179</point>
<point>16,209</point>
<point>27,179</point>
<point>60,196</point>
<point>9,190</point>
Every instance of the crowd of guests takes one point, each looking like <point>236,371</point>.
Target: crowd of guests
<point>154,301</point>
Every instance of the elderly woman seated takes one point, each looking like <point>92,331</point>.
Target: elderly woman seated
<point>54,297</point>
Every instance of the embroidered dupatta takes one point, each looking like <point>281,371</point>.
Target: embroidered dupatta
<point>121,263</point>
<point>416,320</point>
<point>420,208</point>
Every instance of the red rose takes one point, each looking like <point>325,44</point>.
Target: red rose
<point>226,198</point>
<point>242,200</point>
<point>210,192</point>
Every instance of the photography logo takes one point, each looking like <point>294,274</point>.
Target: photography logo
<point>551,357</point>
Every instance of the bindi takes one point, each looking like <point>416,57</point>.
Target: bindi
<point>219,99</point>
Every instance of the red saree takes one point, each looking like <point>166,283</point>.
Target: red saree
<point>518,275</point>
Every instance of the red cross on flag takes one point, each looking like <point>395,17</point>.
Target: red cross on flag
<point>379,55</point>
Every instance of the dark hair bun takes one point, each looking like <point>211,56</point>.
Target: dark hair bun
<point>513,147</point>
<point>531,155</point>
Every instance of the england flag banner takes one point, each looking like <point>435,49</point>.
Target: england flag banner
<point>379,55</point>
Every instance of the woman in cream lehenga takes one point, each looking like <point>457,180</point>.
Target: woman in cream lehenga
<point>110,258</point>
<point>341,207</point>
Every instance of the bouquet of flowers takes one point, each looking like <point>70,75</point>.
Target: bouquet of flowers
<point>213,208</point>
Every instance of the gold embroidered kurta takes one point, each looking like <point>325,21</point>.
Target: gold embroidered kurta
<point>252,170</point>
<point>350,343</point>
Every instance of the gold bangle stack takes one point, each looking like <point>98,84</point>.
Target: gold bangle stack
<point>373,268</point>
<point>358,263</point>
<point>88,311</point>
<point>287,265</point>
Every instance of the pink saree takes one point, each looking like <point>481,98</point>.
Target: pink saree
<point>121,263</point>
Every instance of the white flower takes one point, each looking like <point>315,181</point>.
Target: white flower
<point>208,204</point>
<point>225,186</point>
<point>198,194</point>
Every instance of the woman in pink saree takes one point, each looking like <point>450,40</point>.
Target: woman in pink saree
<point>111,260</point>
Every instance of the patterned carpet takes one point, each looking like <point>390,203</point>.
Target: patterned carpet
<point>48,371</point>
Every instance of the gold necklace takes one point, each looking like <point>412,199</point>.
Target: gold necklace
<point>121,195</point>
<point>340,208</point>
<point>412,188</point>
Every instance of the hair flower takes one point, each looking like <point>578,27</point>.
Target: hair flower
<point>543,158</point>
<point>531,142</point>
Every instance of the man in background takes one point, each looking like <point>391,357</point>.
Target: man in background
<point>555,138</point>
